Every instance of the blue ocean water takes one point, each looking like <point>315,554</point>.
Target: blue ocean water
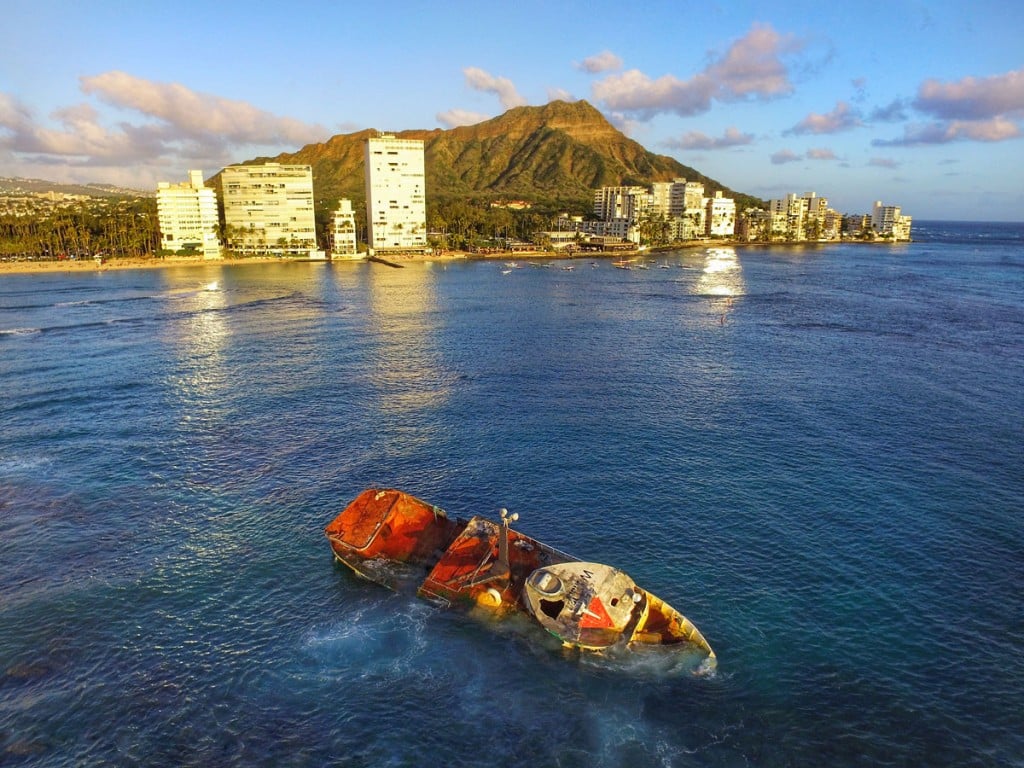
<point>816,454</point>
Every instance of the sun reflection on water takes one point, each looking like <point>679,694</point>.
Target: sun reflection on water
<point>405,314</point>
<point>721,278</point>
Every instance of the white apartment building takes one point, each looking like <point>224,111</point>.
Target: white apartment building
<point>887,220</point>
<point>661,196</point>
<point>687,209</point>
<point>396,197</point>
<point>720,215</point>
<point>620,202</point>
<point>269,208</point>
<point>789,217</point>
<point>187,214</point>
<point>343,231</point>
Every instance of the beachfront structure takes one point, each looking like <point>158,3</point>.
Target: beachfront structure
<point>671,211</point>
<point>620,202</point>
<point>396,198</point>
<point>617,228</point>
<point>685,198</point>
<point>187,215</point>
<point>720,215</point>
<point>661,195</point>
<point>788,216</point>
<point>268,209</point>
<point>888,221</point>
<point>343,231</point>
<point>797,219</point>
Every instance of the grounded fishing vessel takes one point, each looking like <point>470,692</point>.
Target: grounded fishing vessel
<point>397,540</point>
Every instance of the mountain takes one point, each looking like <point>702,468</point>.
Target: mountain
<point>560,152</point>
<point>19,186</point>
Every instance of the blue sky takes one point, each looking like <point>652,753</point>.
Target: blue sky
<point>919,104</point>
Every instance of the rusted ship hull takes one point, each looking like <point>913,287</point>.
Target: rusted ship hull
<point>402,542</point>
<point>385,528</point>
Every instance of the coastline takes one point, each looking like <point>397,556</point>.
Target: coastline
<point>89,265</point>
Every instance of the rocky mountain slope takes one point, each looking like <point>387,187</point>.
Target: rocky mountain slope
<point>559,152</point>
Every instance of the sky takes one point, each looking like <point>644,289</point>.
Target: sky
<point>918,104</point>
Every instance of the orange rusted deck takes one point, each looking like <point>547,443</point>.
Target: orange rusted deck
<point>390,525</point>
<point>470,572</point>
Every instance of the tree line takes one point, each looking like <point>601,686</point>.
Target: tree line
<point>112,227</point>
<point>129,228</point>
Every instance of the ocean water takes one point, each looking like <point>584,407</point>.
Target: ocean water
<point>816,454</point>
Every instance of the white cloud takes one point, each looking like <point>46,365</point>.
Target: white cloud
<point>842,118</point>
<point>973,98</point>
<point>456,117</point>
<point>785,156</point>
<point>821,154</point>
<point>732,137</point>
<point>605,61</point>
<point>198,114</point>
<point>985,109</point>
<point>172,127</point>
<point>502,87</point>
<point>996,129</point>
<point>752,67</point>
<point>560,94</point>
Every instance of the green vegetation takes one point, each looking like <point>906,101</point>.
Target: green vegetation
<point>553,156</point>
<point>507,178</point>
<point>116,227</point>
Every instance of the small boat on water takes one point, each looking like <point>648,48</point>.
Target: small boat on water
<point>404,543</point>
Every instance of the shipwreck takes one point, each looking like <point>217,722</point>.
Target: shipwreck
<point>397,540</point>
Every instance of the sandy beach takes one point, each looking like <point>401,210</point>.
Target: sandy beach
<point>34,267</point>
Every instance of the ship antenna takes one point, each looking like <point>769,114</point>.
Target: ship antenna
<point>501,568</point>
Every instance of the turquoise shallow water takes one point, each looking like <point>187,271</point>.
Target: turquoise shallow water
<point>816,454</point>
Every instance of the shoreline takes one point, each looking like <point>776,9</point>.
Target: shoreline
<point>89,265</point>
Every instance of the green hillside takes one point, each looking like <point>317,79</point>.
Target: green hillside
<point>558,154</point>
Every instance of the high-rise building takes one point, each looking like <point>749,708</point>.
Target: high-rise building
<point>187,214</point>
<point>343,231</point>
<point>720,217</point>
<point>620,202</point>
<point>888,221</point>
<point>269,208</point>
<point>789,217</point>
<point>396,198</point>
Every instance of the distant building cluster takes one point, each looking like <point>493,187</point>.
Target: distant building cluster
<point>678,211</point>
<point>669,211</point>
<point>809,218</point>
<point>269,209</point>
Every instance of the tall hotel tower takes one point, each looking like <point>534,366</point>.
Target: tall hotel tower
<point>396,209</point>
<point>187,214</point>
<point>269,208</point>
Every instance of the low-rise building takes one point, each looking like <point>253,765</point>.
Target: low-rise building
<point>343,231</point>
